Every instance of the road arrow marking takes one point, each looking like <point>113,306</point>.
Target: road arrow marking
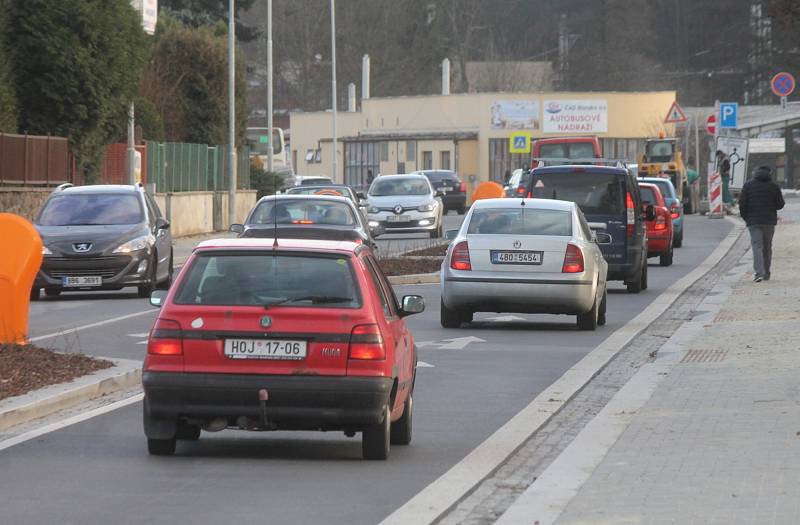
<point>145,334</point>
<point>423,364</point>
<point>457,343</point>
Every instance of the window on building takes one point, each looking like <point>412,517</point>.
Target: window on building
<point>444,159</point>
<point>309,155</point>
<point>411,151</point>
<point>318,156</point>
<point>384,152</point>
<point>427,160</point>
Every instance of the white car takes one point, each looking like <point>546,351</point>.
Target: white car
<point>525,256</point>
<point>405,204</point>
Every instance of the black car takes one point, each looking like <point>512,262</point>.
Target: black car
<point>609,198</point>
<point>454,192</point>
<point>306,217</point>
<point>103,238</point>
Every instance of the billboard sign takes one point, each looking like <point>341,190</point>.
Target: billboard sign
<point>515,114</point>
<point>575,116</point>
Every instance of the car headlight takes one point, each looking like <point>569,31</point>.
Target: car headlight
<point>426,207</point>
<point>46,250</point>
<point>373,209</point>
<point>139,243</point>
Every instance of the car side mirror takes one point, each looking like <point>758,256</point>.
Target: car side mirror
<point>360,195</point>
<point>157,297</point>
<point>412,304</point>
<point>162,224</point>
<point>650,212</point>
<point>450,234</point>
<point>236,228</point>
<point>602,238</point>
<point>440,194</point>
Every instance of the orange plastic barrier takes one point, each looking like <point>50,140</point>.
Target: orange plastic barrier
<point>488,190</point>
<point>21,259</point>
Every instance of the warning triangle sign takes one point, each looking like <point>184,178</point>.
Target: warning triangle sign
<point>675,114</point>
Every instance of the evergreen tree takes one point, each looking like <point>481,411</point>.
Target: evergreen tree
<point>8,100</point>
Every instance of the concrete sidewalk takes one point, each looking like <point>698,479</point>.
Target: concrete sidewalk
<point>707,433</point>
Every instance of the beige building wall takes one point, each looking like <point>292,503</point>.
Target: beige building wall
<point>396,120</point>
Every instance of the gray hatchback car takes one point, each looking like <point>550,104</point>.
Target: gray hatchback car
<point>103,238</point>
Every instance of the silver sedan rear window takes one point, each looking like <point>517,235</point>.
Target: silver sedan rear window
<point>520,221</point>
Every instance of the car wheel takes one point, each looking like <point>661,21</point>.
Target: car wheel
<point>52,292</point>
<point>635,286</point>
<point>588,321</point>
<point>466,316</point>
<point>146,289</point>
<point>678,241</point>
<point>666,259</point>
<point>644,276</point>
<point>401,429</point>
<point>376,439</point>
<point>161,447</point>
<point>36,293</point>
<point>448,317</point>
<point>187,432</point>
<point>601,314</point>
<point>166,283</point>
<point>461,210</point>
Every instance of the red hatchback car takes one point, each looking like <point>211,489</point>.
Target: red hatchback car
<point>659,230</point>
<point>292,334</point>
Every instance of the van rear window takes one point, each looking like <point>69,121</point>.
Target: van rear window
<point>594,193</point>
<point>264,279</point>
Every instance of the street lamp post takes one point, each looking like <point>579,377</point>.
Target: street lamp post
<point>333,84</point>
<point>231,115</point>
<point>270,145</point>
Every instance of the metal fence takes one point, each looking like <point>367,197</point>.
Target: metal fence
<point>30,160</point>
<point>175,166</point>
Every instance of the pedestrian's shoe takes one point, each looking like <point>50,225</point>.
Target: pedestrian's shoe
<point>766,277</point>
<point>758,279</point>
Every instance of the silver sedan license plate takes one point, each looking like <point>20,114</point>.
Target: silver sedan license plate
<point>81,281</point>
<point>291,350</point>
<point>516,257</point>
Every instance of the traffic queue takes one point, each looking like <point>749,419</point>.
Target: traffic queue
<point>293,325</point>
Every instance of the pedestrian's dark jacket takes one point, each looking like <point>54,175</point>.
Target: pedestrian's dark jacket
<point>760,201</point>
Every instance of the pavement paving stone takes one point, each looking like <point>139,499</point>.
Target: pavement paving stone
<point>719,441</point>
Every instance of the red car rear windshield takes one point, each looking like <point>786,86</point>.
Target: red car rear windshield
<point>270,278</point>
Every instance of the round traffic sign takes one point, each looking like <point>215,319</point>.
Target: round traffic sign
<point>783,84</point>
<point>711,124</point>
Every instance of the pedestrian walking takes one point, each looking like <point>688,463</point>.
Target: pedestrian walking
<point>759,203</point>
<point>370,177</point>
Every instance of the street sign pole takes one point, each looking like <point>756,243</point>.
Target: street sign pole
<point>231,115</point>
<point>333,86</point>
<point>270,146</point>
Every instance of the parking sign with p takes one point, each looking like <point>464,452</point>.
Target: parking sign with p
<point>728,113</point>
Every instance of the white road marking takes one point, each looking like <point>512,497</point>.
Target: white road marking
<point>27,436</point>
<point>423,364</point>
<point>503,318</point>
<point>141,342</point>
<point>143,334</point>
<point>457,343</point>
<point>92,325</point>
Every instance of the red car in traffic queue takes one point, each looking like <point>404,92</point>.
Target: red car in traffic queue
<point>286,334</point>
<point>659,230</point>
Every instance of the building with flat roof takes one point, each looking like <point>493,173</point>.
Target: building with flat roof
<point>469,132</point>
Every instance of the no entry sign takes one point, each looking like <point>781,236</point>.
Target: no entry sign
<point>711,124</point>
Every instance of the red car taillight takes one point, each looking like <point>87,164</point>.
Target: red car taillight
<point>366,343</point>
<point>573,260</point>
<point>630,215</point>
<point>463,187</point>
<point>676,210</point>
<point>166,338</point>
<point>459,260</point>
<point>521,190</point>
<point>661,222</point>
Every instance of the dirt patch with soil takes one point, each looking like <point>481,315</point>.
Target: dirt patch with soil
<point>24,368</point>
<point>438,250</point>
<point>405,266</point>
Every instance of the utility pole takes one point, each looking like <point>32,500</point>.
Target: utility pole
<point>270,146</point>
<point>333,85</point>
<point>231,115</point>
<point>131,146</point>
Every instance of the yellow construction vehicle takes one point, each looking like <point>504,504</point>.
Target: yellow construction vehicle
<point>663,159</point>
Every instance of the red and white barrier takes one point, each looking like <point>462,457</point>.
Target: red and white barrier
<point>715,208</point>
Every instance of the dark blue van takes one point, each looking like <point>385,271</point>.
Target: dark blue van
<point>609,198</point>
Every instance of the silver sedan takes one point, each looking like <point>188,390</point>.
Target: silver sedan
<point>525,256</point>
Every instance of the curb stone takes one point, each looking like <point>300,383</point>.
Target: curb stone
<point>417,278</point>
<point>17,410</point>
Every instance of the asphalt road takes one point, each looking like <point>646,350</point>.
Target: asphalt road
<point>98,471</point>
